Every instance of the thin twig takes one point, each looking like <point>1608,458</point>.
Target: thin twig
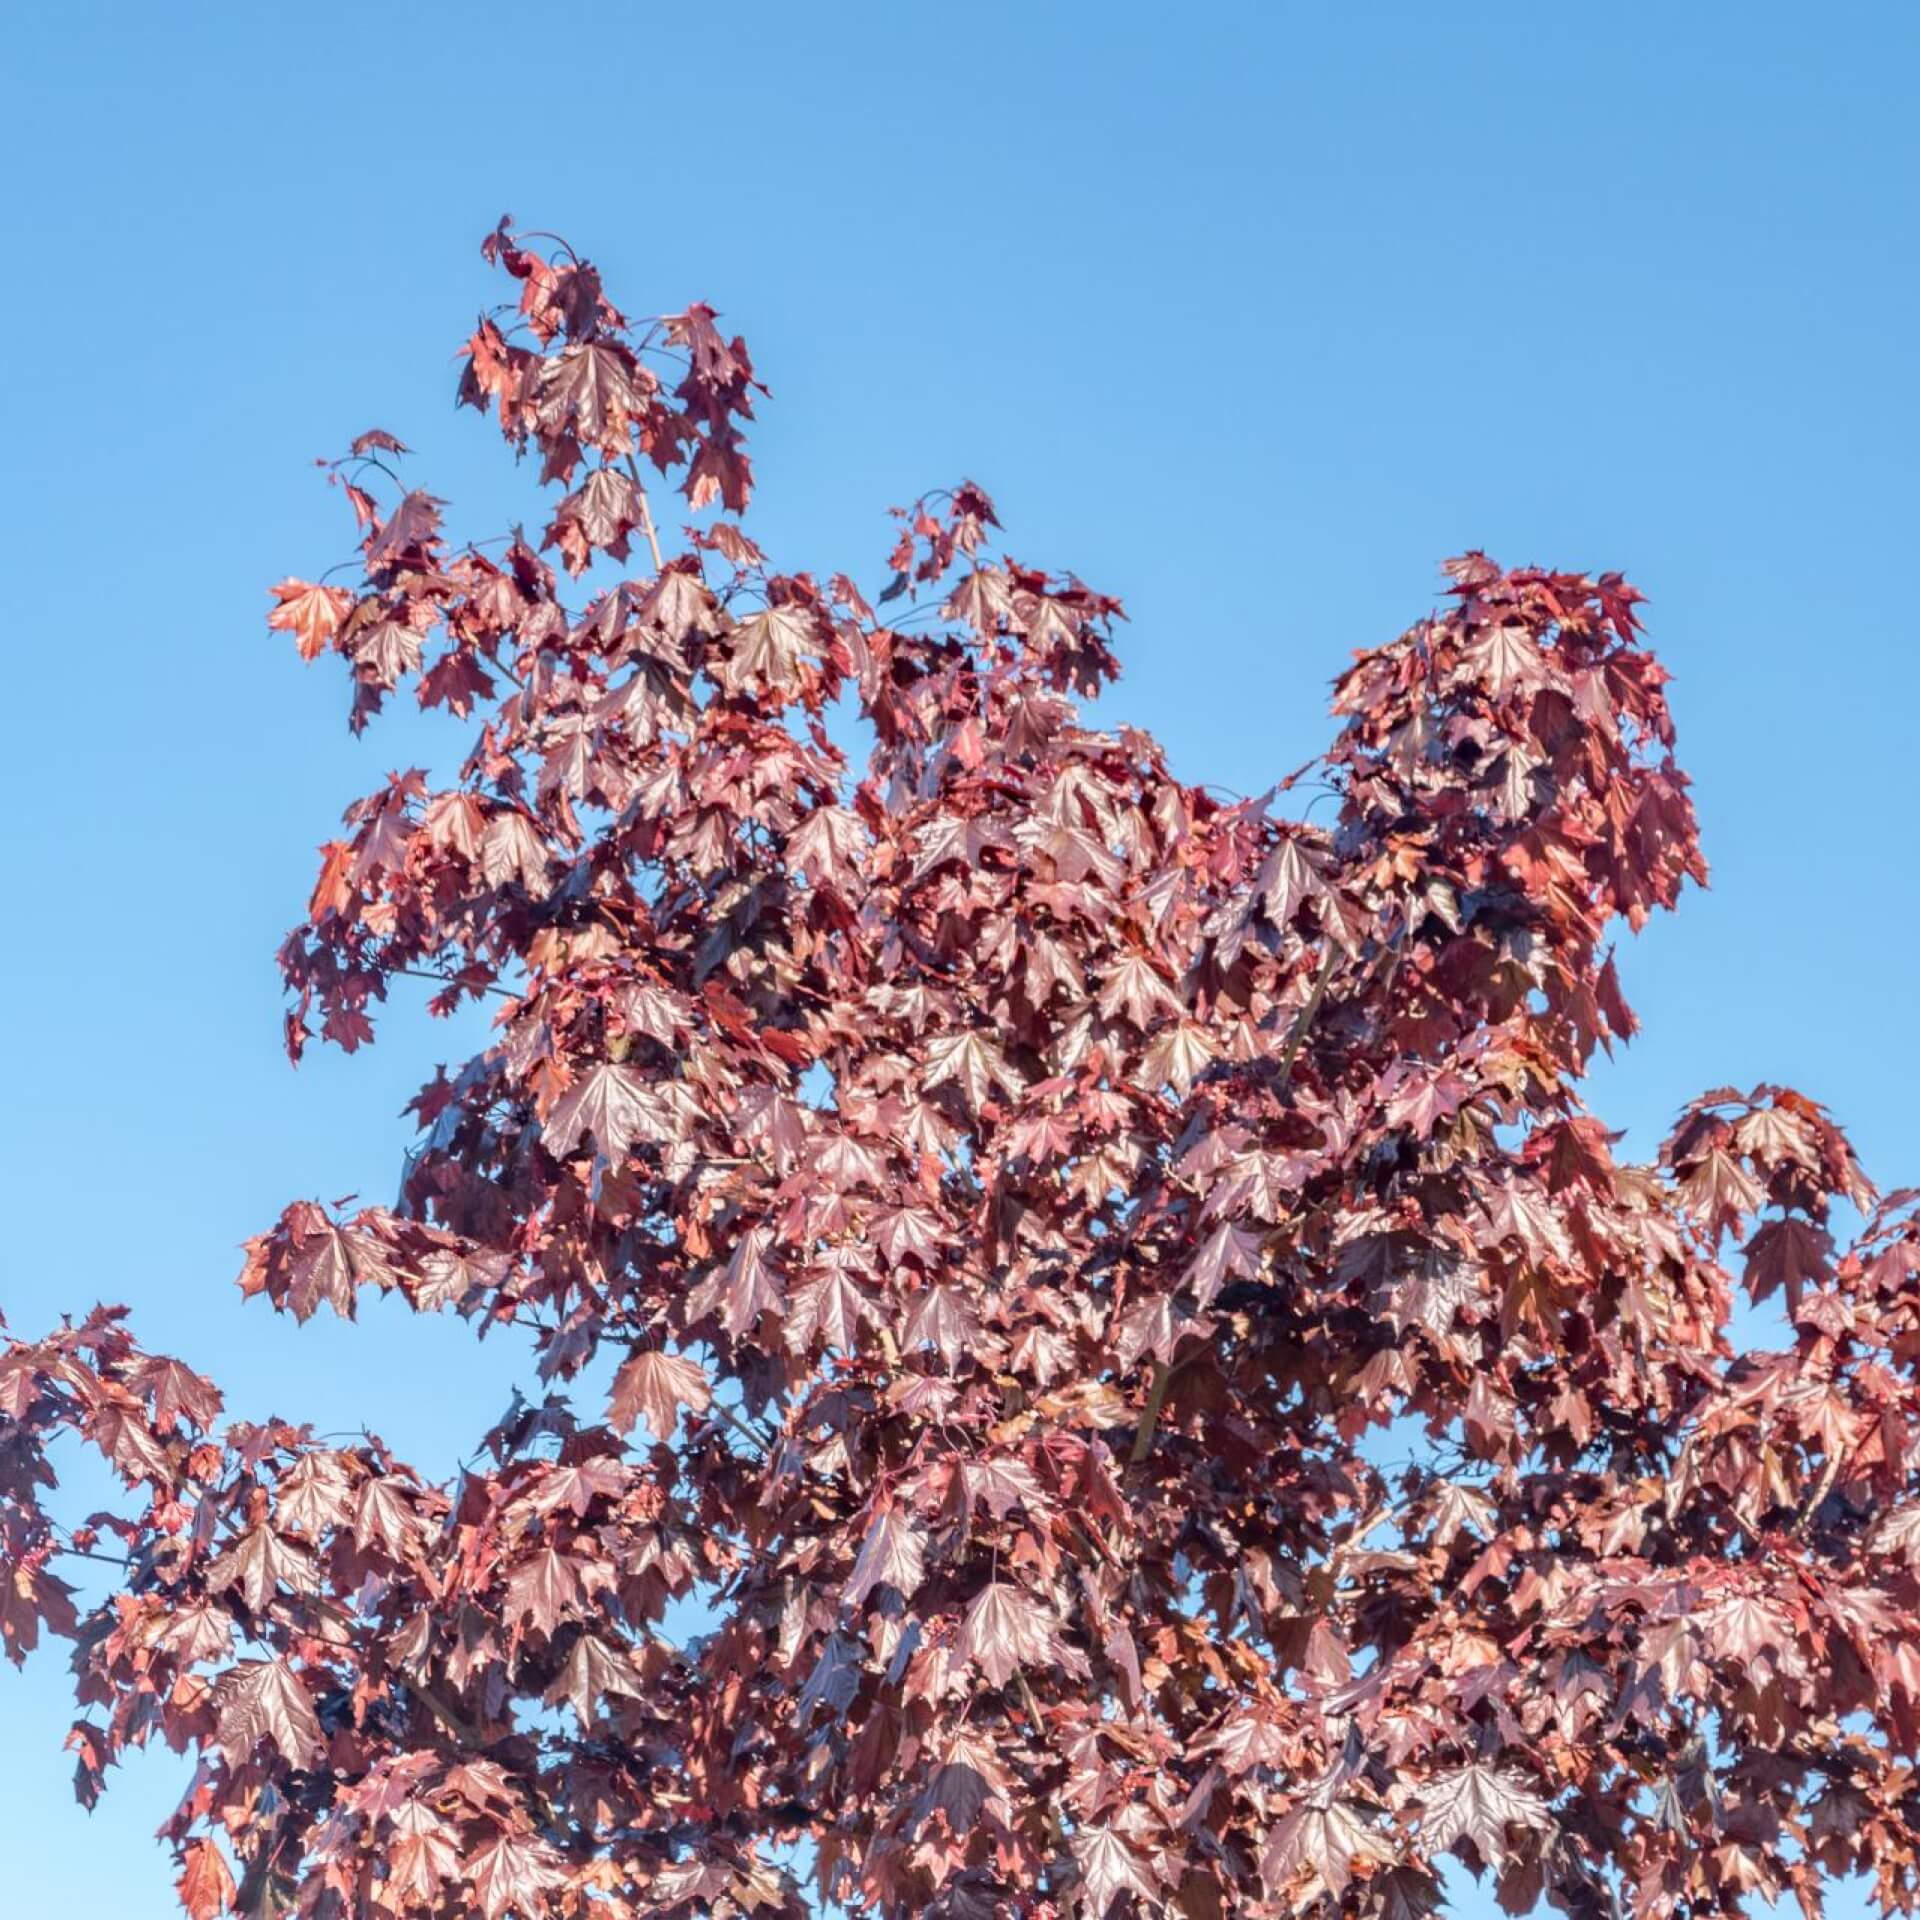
<point>452,980</point>
<point>82,1553</point>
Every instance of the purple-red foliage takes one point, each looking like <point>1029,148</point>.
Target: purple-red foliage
<point>1016,1186</point>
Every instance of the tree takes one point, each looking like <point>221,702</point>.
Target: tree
<point>1019,1191</point>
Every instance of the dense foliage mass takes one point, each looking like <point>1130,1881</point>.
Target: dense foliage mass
<point>1027,1198</point>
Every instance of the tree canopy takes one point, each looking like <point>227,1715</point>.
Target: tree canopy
<point>1024,1203</point>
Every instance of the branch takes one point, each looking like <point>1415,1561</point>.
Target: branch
<point>740,1427</point>
<point>1304,1019</point>
<point>1817,1498</point>
<point>1381,1517</point>
<point>646,515</point>
<point>1032,1705</point>
<point>454,1721</point>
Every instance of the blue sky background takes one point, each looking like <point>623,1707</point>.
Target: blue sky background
<point>1251,314</point>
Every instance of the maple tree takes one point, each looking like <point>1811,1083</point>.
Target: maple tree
<point>1016,1193</point>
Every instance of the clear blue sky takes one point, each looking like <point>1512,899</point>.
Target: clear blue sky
<point>1250,314</point>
